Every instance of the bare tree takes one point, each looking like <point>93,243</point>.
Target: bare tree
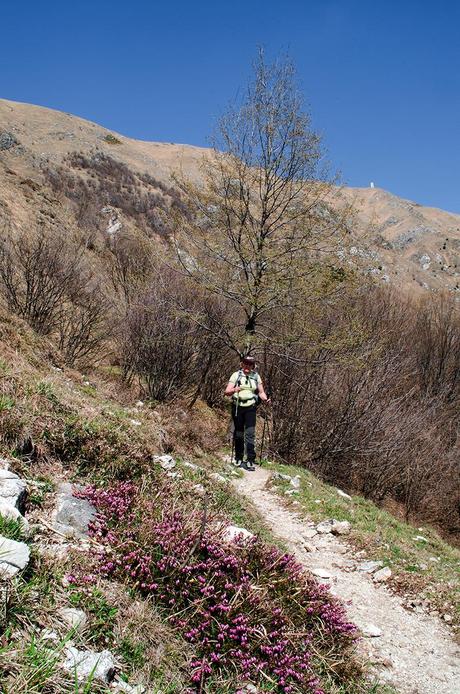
<point>262,231</point>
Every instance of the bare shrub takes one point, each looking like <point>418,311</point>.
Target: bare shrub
<point>37,272</point>
<point>47,280</point>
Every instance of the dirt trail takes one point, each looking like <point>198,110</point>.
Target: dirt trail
<point>415,653</point>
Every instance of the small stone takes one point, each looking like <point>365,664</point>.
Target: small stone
<point>321,573</point>
<point>73,515</point>
<point>139,403</point>
<point>233,533</point>
<point>382,575</point>
<point>420,538</point>
<point>56,551</point>
<point>372,631</point>
<point>217,477</point>
<point>369,567</point>
<point>308,547</point>
<point>100,666</point>
<point>280,476</point>
<point>192,466</point>
<point>73,618</point>
<point>318,501</point>
<point>423,567</point>
<point>343,494</point>
<point>167,462</point>
<point>341,527</point>
<point>14,556</point>
<point>447,618</point>
<point>309,533</point>
<point>135,422</point>
<point>295,482</point>
<point>120,686</point>
<point>199,489</point>
<point>49,635</point>
<point>291,492</point>
<point>325,527</point>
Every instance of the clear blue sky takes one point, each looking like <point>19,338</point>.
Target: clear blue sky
<point>382,78</point>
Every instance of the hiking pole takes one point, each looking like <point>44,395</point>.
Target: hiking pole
<point>263,437</point>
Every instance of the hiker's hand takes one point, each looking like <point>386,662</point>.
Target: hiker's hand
<point>268,401</point>
<point>236,389</point>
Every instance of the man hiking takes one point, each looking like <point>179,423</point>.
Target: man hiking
<point>245,388</point>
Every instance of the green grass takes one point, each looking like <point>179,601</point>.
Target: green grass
<point>6,403</point>
<point>12,529</point>
<point>102,613</point>
<point>432,566</point>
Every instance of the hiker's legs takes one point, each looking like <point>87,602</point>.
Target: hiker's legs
<point>238,423</point>
<point>250,433</point>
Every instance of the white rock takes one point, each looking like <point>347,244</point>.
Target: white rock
<point>233,533</point>
<point>420,538</point>
<point>340,527</point>
<point>371,630</point>
<point>295,482</point>
<point>49,635</point>
<point>135,422</point>
<point>199,489</point>
<point>11,512</point>
<point>100,666</point>
<point>321,573</point>
<point>73,618</point>
<point>217,477</point>
<point>290,492</point>
<point>369,566</point>
<point>139,403</point>
<point>14,556</point>
<point>120,686</point>
<point>382,575</point>
<point>192,466</point>
<point>12,488</point>
<point>167,462</point>
<point>318,501</point>
<point>447,617</point>
<point>309,533</point>
<point>343,494</point>
<point>280,476</point>
<point>324,527</point>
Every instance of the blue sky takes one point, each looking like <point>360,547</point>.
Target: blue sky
<point>381,79</point>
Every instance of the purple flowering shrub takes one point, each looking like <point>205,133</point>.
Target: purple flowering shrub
<point>249,610</point>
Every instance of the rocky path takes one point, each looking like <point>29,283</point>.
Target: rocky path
<point>414,652</point>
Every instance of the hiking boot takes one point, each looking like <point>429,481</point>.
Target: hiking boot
<point>238,463</point>
<point>247,465</point>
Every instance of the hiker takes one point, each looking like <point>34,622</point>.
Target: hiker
<point>246,390</point>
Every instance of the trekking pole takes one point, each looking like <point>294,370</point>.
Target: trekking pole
<point>263,437</point>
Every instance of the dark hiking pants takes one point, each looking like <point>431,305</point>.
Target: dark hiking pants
<point>244,421</point>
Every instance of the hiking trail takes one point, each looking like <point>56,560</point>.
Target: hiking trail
<point>415,652</point>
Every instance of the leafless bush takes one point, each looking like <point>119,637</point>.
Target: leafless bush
<point>130,265</point>
<point>47,280</point>
<point>37,272</point>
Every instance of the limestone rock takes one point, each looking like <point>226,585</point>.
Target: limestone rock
<point>7,141</point>
<point>120,686</point>
<point>280,476</point>
<point>369,567</point>
<point>12,489</point>
<point>382,575</point>
<point>73,515</point>
<point>218,478</point>
<point>73,618</point>
<point>167,462</point>
<point>309,533</point>
<point>343,494</point>
<point>371,630</point>
<point>295,482</point>
<point>233,533</point>
<point>340,527</point>
<point>325,527</point>
<point>14,556</point>
<point>101,666</point>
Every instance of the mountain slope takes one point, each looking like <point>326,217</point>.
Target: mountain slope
<point>405,244</point>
